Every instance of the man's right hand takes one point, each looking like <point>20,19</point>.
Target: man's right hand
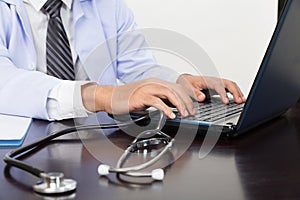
<point>137,96</point>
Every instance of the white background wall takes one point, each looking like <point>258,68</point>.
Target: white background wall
<point>234,33</point>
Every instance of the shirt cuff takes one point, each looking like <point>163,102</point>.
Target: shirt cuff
<point>65,101</point>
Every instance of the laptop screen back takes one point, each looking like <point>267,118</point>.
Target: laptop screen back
<point>277,84</point>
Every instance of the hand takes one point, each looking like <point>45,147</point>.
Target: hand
<point>194,85</point>
<point>137,96</point>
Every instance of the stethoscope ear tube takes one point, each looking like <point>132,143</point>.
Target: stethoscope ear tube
<point>142,140</point>
<point>156,174</point>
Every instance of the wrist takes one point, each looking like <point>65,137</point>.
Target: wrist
<point>103,98</point>
<point>96,98</point>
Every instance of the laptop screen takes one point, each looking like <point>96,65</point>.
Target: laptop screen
<point>277,84</point>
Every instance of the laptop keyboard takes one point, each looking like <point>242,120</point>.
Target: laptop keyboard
<point>214,111</point>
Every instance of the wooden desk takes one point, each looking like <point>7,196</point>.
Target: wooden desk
<point>263,164</point>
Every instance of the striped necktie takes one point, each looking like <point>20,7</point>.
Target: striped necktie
<point>58,52</point>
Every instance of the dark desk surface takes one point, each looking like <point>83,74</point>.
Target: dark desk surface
<point>263,164</point>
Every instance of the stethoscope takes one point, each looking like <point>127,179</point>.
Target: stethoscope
<point>52,183</point>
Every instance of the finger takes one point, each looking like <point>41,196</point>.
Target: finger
<point>163,107</point>
<point>164,90</point>
<point>220,89</point>
<point>235,91</point>
<point>192,86</point>
<point>182,106</point>
<point>186,99</point>
<point>199,96</point>
<point>241,93</point>
<point>160,92</point>
<point>186,82</point>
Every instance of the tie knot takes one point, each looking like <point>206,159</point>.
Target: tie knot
<point>52,7</point>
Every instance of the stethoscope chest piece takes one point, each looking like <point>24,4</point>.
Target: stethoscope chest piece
<point>54,183</point>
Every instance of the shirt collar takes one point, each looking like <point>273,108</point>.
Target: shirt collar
<point>38,4</point>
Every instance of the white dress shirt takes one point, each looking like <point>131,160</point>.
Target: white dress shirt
<point>64,100</point>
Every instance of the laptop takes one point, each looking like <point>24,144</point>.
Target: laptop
<point>275,89</point>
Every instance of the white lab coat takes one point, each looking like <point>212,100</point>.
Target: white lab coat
<point>24,91</point>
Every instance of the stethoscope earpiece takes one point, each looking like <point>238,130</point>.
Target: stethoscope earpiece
<point>158,174</point>
<point>103,170</point>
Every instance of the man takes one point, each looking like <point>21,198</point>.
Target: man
<point>28,88</point>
